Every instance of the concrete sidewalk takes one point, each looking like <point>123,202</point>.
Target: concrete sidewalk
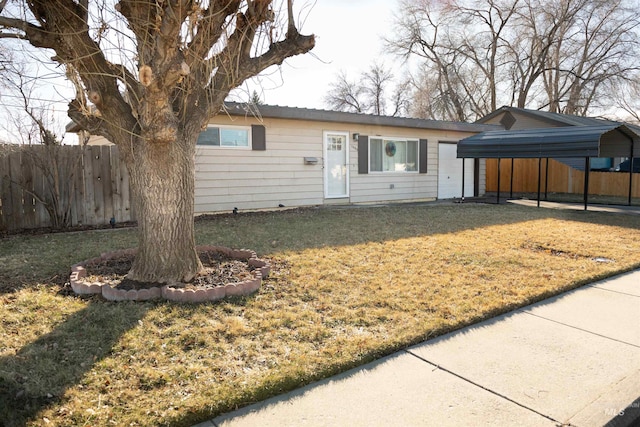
<point>619,209</point>
<point>570,360</point>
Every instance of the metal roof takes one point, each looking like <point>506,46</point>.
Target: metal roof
<point>295,113</point>
<point>570,141</point>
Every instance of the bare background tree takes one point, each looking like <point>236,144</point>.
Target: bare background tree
<point>568,56</point>
<point>630,102</point>
<point>374,92</point>
<point>149,75</point>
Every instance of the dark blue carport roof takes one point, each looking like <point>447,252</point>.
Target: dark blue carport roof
<point>571,141</point>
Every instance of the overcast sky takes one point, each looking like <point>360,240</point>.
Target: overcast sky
<point>348,37</point>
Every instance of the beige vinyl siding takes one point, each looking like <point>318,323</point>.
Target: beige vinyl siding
<point>229,177</point>
<point>247,179</point>
<point>252,179</point>
<point>376,186</point>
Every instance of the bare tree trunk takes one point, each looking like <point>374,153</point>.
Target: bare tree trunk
<point>163,181</point>
<point>186,56</point>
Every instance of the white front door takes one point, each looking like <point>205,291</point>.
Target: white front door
<point>336,164</point>
<point>450,173</point>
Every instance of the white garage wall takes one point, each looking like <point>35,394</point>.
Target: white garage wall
<point>450,173</point>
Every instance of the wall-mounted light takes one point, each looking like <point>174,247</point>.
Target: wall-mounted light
<point>356,136</point>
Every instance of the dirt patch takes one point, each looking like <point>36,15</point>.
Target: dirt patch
<point>552,251</point>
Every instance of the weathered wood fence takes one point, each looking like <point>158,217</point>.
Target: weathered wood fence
<point>61,186</point>
<point>561,179</point>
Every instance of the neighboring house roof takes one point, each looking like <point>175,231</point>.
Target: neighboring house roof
<point>556,118</point>
<point>547,116</point>
<point>559,142</point>
<point>295,113</point>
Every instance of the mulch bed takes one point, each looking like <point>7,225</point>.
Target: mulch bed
<point>219,270</point>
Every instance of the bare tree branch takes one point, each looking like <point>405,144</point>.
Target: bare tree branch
<point>567,54</point>
<point>371,93</point>
<point>187,56</point>
<point>209,25</point>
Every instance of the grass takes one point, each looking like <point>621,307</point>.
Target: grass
<point>349,286</point>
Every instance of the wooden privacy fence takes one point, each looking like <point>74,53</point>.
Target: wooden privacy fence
<point>58,186</point>
<point>561,179</point>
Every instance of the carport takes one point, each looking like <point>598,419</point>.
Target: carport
<point>607,140</point>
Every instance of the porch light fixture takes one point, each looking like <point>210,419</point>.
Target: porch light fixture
<point>356,136</point>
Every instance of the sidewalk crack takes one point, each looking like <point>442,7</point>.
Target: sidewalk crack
<point>615,291</point>
<point>580,329</point>
<point>500,395</point>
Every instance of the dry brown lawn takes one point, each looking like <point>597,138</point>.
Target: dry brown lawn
<point>348,286</point>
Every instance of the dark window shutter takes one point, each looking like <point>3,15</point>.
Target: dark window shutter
<point>258,138</point>
<point>423,156</point>
<point>476,177</point>
<point>363,154</point>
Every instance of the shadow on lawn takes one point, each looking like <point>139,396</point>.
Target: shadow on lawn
<point>38,375</point>
<point>10,285</point>
<point>40,372</point>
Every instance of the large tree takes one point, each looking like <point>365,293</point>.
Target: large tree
<point>568,56</point>
<point>149,75</point>
<point>596,54</point>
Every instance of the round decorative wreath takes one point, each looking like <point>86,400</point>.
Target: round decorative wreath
<point>390,149</point>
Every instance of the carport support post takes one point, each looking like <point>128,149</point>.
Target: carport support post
<point>630,173</point>
<point>539,177</point>
<point>587,168</point>
<point>462,200</point>
<point>546,178</point>
<point>511,185</point>
<point>498,199</point>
